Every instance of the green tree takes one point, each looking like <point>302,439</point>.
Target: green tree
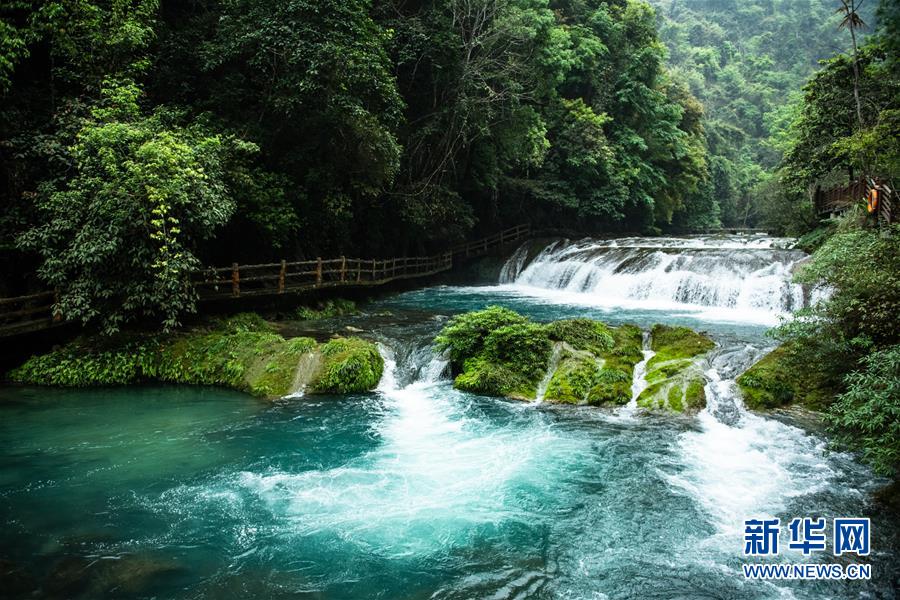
<point>117,239</point>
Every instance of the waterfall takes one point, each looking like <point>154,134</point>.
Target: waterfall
<point>639,383</point>
<point>752,275</point>
<point>551,369</point>
<point>514,265</point>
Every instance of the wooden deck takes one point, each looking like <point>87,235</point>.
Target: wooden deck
<point>25,314</point>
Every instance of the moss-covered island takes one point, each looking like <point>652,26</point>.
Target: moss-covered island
<point>498,352</point>
<point>674,375</point>
<point>242,352</point>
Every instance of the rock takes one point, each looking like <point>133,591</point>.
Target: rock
<point>497,352</point>
<point>674,375</point>
<point>242,352</point>
<point>349,365</point>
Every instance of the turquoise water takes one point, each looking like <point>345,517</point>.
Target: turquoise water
<point>414,491</point>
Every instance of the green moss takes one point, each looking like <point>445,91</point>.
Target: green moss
<point>612,388</point>
<point>675,379</point>
<point>769,383</point>
<point>500,353</point>
<point>628,349</point>
<point>327,310</point>
<point>677,343</point>
<point>350,365</point>
<point>241,353</point>
<point>573,380</point>
<point>695,394</point>
<point>582,334</point>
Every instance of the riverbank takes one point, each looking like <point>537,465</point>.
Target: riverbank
<point>242,352</point>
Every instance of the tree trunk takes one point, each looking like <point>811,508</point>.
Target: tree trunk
<point>856,77</point>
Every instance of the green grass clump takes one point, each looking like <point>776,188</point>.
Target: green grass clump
<point>78,364</point>
<point>463,337</point>
<point>627,350</point>
<point>350,365</point>
<point>327,310</point>
<point>612,388</point>
<point>582,334</point>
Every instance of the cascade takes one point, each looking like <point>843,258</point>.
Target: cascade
<point>751,276</point>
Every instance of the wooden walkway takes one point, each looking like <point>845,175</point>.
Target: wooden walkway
<point>836,201</point>
<point>35,312</point>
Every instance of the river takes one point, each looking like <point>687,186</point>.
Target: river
<point>422,491</point>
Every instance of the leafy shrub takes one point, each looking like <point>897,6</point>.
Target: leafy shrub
<point>464,336</point>
<point>523,348</point>
<point>327,310</point>
<point>867,415</point>
<point>350,365</point>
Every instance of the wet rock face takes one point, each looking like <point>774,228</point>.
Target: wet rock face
<point>80,577</point>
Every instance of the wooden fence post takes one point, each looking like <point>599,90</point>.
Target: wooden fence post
<point>343,268</point>
<point>373,270</point>
<point>319,272</point>
<point>57,316</point>
<point>358,270</point>
<point>235,280</point>
<point>281,275</point>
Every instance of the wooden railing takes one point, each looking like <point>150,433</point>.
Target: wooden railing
<point>279,278</point>
<point>837,200</point>
<point>28,313</point>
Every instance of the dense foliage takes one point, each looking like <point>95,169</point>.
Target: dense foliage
<point>253,130</point>
<point>746,62</point>
<point>832,347</point>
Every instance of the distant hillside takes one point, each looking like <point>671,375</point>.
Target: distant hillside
<point>745,60</point>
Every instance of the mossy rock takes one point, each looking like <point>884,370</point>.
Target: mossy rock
<point>464,336</point>
<point>677,343</point>
<point>682,393</point>
<point>612,388</point>
<point>574,378</point>
<point>497,352</point>
<point>674,376</point>
<point>242,353</point>
<point>627,350</point>
<point>481,376</point>
<point>350,365</point>
<point>582,334</point>
<point>777,380</point>
<point>767,384</point>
